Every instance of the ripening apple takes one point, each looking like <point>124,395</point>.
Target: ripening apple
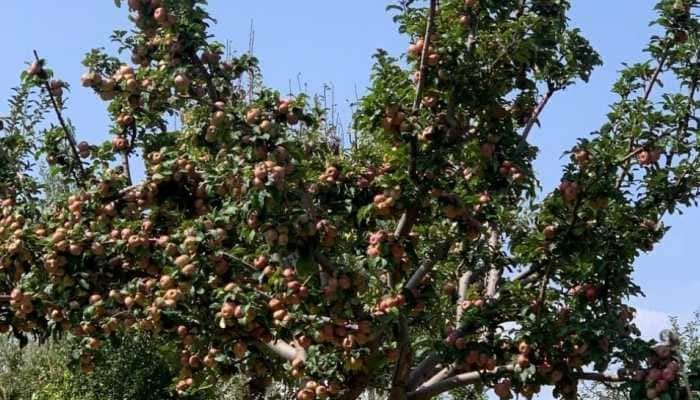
<point>34,69</point>
<point>433,59</point>
<point>416,49</point>
<point>523,361</point>
<point>161,15</point>
<point>550,232</point>
<point>182,83</point>
<point>644,157</point>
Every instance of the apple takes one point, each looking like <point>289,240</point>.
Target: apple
<point>550,232</point>
<point>523,361</point>
<point>182,83</point>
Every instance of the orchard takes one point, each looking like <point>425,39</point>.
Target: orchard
<point>416,260</point>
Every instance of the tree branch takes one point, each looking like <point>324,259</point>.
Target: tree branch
<point>439,254</point>
<point>285,350</point>
<point>463,288</point>
<point>534,118</point>
<point>599,377</point>
<point>423,370</point>
<point>326,264</point>
<point>496,271</point>
<point>64,126</point>
<point>402,369</point>
<point>647,94</point>
<point>454,382</point>
<point>420,85</point>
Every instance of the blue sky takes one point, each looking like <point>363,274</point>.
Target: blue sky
<point>332,42</point>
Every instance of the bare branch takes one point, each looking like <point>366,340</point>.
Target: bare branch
<point>464,282</point>
<point>423,370</point>
<point>496,270</point>
<point>600,377</point>
<point>439,376</point>
<point>408,218</point>
<point>286,350</point>
<point>439,254</point>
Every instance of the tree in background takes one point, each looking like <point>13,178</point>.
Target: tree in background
<point>415,262</point>
<point>689,354</point>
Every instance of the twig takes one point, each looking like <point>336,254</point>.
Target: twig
<point>64,126</point>
<point>420,85</point>
<point>538,110</point>
<point>647,93</point>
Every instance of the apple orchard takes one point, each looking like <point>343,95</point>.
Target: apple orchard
<point>414,260</point>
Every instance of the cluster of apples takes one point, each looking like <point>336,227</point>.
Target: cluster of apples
<point>389,302</point>
<point>159,13</point>
<point>569,190</point>
<point>396,250</point>
<point>384,202</point>
<point>123,80</point>
<point>269,171</point>
<point>12,225</point>
<point>395,120</point>
<point>313,390</point>
<point>663,370</point>
<point>510,170</point>
<point>415,50</point>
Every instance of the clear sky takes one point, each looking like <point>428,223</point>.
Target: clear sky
<point>332,42</point>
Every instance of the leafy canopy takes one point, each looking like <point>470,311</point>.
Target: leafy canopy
<point>414,260</point>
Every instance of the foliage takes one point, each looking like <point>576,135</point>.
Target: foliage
<point>127,368</point>
<point>255,238</point>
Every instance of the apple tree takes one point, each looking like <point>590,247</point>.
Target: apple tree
<point>416,260</point>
